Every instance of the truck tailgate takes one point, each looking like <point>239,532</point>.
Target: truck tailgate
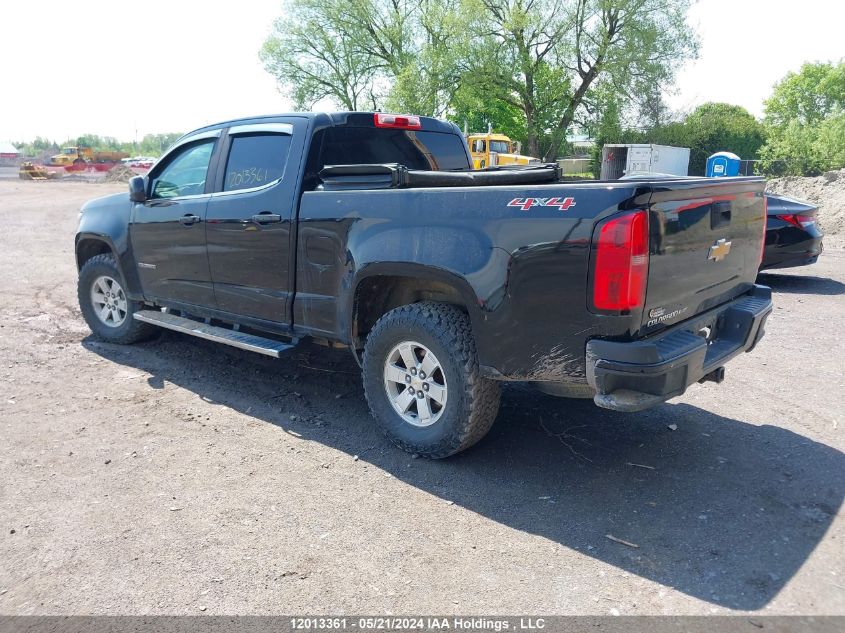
<point>705,243</point>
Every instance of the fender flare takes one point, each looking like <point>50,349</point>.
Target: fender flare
<point>93,237</point>
<point>133,289</point>
<point>411,271</point>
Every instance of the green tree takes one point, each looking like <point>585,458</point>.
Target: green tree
<point>87,140</point>
<point>313,58</point>
<point>545,56</point>
<point>603,123</point>
<point>805,122</point>
<point>715,127</point>
<point>38,147</point>
<point>830,142</point>
<point>808,96</point>
<point>805,150</point>
<point>363,54</point>
<point>97,142</point>
<point>474,111</point>
<point>541,58</point>
<point>155,144</point>
<point>428,74</point>
<point>41,144</point>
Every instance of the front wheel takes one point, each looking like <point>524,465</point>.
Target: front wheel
<point>104,304</point>
<point>422,380</point>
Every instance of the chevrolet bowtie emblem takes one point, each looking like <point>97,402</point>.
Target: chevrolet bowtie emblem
<point>719,250</point>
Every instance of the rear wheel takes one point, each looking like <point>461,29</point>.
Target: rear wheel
<point>104,304</point>
<point>422,380</point>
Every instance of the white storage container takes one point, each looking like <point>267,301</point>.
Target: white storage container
<point>630,159</point>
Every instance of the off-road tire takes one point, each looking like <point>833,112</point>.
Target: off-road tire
<point>131,330</point>
<point>473,401</point>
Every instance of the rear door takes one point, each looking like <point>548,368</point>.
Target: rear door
<point>639,160</point>
<point>705,245</point>
<point>321,259</point>
<point>250,217</point>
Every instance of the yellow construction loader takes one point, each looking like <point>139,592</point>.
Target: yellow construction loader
<point>29,171</point>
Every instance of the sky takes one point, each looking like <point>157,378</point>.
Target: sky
<point>125,69</point>
<point>749,45</point>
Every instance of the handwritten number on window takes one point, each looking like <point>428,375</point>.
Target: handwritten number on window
<point>247,177</point>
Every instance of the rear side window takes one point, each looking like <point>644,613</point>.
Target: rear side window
<point>255,160</point>
<point>415,150</point>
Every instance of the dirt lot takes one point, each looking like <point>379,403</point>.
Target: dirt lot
<point>181,477</point>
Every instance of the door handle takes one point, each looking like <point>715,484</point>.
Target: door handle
<point>720,214</point>
<point>189,219</point>
<point>265,217</point>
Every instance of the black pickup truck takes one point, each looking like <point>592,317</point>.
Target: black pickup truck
<point>371,231</point>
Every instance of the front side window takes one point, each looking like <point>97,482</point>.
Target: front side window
<point>499,146</point>
<point>185,174</point>
<point>256,160</point>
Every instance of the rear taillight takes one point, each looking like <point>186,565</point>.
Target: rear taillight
<point>621,262</point>
<point>798,220</point>
<point>398,121</point>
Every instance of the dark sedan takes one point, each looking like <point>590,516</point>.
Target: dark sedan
<point>792,236</point>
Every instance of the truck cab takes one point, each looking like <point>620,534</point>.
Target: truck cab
<point>66,156</point>
<point>71,154</point>
<point>491,150</point>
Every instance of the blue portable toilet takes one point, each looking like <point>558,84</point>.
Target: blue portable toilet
<point>723,164</point>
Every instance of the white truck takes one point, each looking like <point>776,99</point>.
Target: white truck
<point>619,160</point>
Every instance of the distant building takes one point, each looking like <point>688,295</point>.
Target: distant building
<point>8,152</point>
<point>582,145</point>
<point>578,163</point>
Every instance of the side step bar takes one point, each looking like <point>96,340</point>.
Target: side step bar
<point>249,342</point>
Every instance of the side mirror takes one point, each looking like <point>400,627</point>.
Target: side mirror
<point>137,189</point>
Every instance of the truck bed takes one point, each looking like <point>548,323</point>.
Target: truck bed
<point>521,255</point>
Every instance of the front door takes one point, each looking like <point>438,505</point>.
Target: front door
<point>639,160</point>
<point>168,229</point>
<point>250,218</point>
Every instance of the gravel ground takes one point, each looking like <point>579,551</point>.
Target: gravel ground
<point>179,477</point>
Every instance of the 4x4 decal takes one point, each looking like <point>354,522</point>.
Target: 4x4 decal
<point>526,203</point>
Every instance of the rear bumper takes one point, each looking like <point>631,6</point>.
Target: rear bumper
<point>802,254</point>
<point>640,374</point>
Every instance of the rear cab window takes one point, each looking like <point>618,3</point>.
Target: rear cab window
<point>416,149</point>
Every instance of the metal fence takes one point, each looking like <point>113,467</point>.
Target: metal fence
<point>573,166</point>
